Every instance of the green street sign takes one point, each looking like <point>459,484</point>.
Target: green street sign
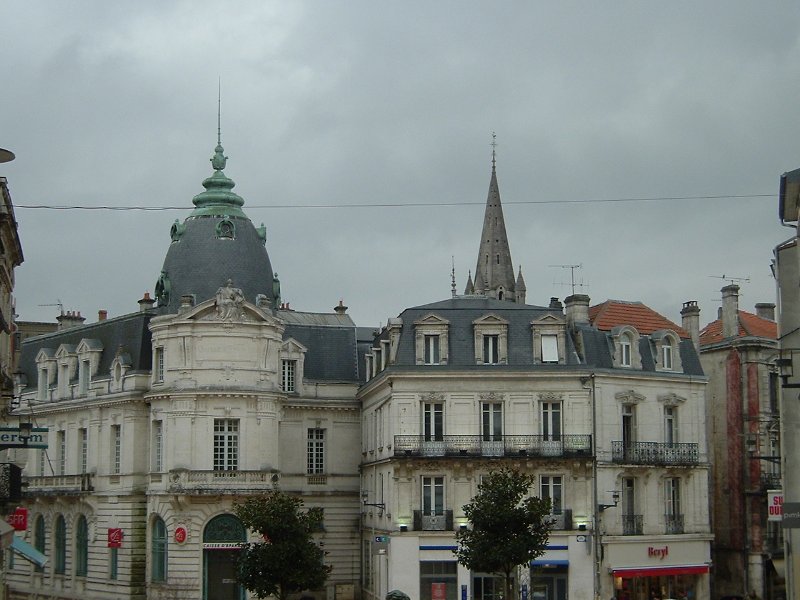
<point>9,438</point>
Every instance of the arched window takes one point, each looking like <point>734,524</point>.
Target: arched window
<point>158,551</point>
<point>81,547</point>
<point>39,538</point>
<point>60,566</point>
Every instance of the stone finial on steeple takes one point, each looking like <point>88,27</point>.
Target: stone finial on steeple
<point>521,290</point>
<point>470,289</point>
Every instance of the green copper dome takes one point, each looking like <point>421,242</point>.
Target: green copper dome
<point>218,199</point>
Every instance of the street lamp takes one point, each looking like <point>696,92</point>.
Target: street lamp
<point>614,496</point>
<point>752,446</point>
<point>365,497</point>
<point>25,431</point>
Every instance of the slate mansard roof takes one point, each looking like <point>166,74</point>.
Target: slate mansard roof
<point>332,342</point>
<point>587,346</point>
<point>461,312</point>
<point>128,334</point>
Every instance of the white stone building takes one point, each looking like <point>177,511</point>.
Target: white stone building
<point>160,420</point>
<point>604,406</point>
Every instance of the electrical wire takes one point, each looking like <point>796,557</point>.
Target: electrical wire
<point>398,204</point>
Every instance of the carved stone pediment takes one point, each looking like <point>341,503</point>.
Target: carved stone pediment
<point>550,397</point>
<point>491,397</point>
<point>629,397</point>
<point>671,399</point>
<point>433,397</point>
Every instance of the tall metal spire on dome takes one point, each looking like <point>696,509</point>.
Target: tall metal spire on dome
<point>494,273</point>
<point>218,199</point>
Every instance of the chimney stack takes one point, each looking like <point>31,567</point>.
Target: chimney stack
<point>146,303</point>
<point>102,315</point>
<point>577,307</point>
<point>340,309</point>
<point>766,310</point>
<point>690,314</point>
<point>730,311</point>
<point>555,303</point>
<point>69,319</point>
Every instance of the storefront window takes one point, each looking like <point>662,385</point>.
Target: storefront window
<point>437,580</point>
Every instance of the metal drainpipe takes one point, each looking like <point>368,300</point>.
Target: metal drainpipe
<point>595,513</point>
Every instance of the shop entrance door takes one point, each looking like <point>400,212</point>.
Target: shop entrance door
<point>221,575</point>
<point>487,587</point>
<point>549,587</point>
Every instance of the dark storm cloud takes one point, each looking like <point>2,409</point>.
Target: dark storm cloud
<point>376,103</point>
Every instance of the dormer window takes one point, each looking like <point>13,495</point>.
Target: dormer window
<point>667,355</point>
<point>491,354</point>
<point>491,340</point>
<point>431,349</point>
<point>549,339</point>
<point>430,340</point>
<point>626,347</point>
<point>625,350</point>
<point>292,362</point>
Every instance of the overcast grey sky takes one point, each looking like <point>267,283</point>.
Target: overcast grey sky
<point>334,103</point>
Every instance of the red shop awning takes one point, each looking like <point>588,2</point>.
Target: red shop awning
<point>659,571</point>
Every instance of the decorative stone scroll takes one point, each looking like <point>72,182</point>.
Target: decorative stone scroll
<point>671,399</point>
<point>491,397</point>
<point>550,397</point>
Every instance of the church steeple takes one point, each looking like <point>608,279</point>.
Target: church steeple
<point>494,273</point>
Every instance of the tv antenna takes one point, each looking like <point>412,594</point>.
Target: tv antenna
<point>730,279</point>
<point>58,303</point>
<point>571,275</point>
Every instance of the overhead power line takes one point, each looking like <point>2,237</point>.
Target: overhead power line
<point>398,204</point>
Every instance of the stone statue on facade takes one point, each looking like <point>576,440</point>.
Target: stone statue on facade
<point>397,595</point>
<point>229,302</point>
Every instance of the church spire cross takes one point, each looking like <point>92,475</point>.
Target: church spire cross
<point>493,144</point>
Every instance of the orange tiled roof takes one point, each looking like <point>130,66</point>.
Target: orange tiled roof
<point>750,325</point>
<point>612,313</point>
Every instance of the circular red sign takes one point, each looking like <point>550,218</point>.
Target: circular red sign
<point>180,534</point>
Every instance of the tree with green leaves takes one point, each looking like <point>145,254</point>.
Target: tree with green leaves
<point>286,560</point>
<point>508,527</point>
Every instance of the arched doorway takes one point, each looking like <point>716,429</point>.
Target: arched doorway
<point>221,539</point>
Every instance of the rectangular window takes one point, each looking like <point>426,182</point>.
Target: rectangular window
<point>490,349</point>
<point>551,421</point>
<point>550,348</point>
<point>41,388</point>
<point>158,365</point>
<point>666,355</point>
<point>492,421</point>
<point>62,452</point>
<point>438,580</point>
<point>113,563</point>
<point>670,425</point>
<point>288,374</point>
<point>628,425</point>
<point>551,488</point>
<point>315,453</point>
<point>628,496</point>
<point>433,421</point>
<point>625,351</point>
<point>158,446</point>
<point>226,444</point>
<point>116,448</point>
<point>432,496</point>
<point>83,449</point>
<point>672,488</point>
<point>42,463</point>
<point>83,378</point>
<point>431,349</point>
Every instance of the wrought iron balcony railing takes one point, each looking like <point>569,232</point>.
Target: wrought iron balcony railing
<point>654,453</point>
<point>573,445</point>
<point>674,523</point>
<point>436,522</point>
<point>632,524</point>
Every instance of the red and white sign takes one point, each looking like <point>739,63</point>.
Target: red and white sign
<point>775,505</point>
<point>18,519</point>
<point>438,591</point>
<point>660,553</point>
<point>181,534</point>
<point>115,537</point>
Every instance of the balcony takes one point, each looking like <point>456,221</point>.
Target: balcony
<point>654,453</point>
<point>562,520</point>
<point>632,524</point>
<point>442,522</point>
<point>183,481</point>
<point>565,446</point>
<point>674,524</point>
<point>771,480</point>
<point>59,485</point>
